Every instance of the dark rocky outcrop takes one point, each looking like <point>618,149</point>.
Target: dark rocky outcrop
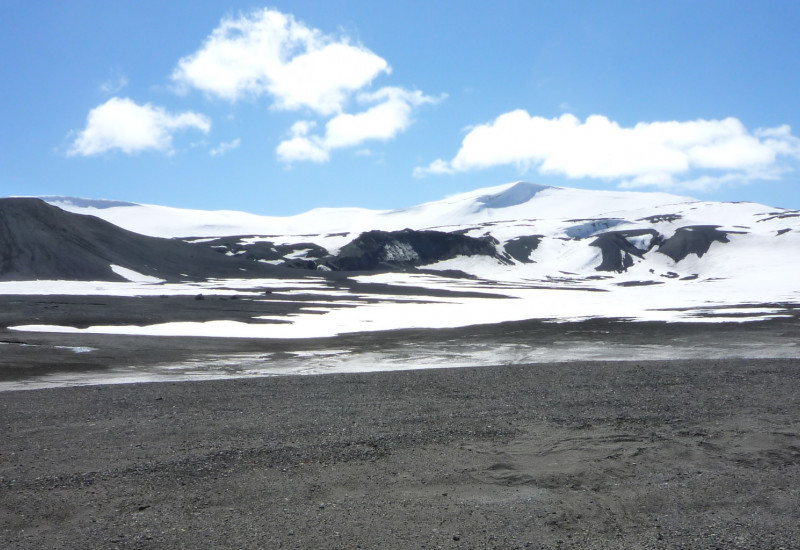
<point>695,239</point>
<point>587,228</point>
<point>373,250</point>
<point>264,250</point>
<point>780,215</point>
<point>661,218</point>
<point>618,251</point>
<point>520,248</point>
<point>41,241</point>
<point>407,249</point>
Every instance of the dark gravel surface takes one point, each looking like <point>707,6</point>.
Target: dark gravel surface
<point>673,454</point>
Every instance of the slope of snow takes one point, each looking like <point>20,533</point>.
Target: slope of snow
<point>513,201</point>
<point>134,276</point>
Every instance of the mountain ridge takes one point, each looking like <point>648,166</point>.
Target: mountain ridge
<point>517,231</point>
<point>507,201</point>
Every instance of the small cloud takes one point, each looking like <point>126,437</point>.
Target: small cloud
<point>269,52</point>
<point>390,115</point>
<point>225,147</point>
<point>298,149</point>
<point>120,123</point>
<point>114,84</point>
<point>437,167</point>
<point>383,121</point>
<point>697,154</point>
<point>302,128</point>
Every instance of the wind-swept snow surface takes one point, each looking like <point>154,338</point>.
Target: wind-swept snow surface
<point>520,200</point>
<point>741,299</point>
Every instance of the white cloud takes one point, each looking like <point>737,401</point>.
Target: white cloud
<point>267,51</point>
<point>300,148</point>
<point>225,147</point>
<point>383,121</point>
<point>437,167</point>
<point>663,154</point>
<point>121,124</point>
<point>114,84</point>
<point>302,127</point>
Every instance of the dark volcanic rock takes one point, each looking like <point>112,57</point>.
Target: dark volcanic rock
<point>40,241</point>
<point>659,218</point>
<point>264,250</point>
<point>617,251</point>
<point>408,248</point>
<point>780,215</point>
<point>694,239</point>
<point>589,227</point>
<point>520,248</point>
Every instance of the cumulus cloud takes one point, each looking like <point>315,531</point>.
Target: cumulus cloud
<point>390,115</point>
<point>697,154</point>
<point>268,52</point>
<point>225,147</point>
<point>437,167</point>
<point>121,124</point>
<point>300,147</point>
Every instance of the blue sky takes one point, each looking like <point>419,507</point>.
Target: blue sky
<point>283,107</point>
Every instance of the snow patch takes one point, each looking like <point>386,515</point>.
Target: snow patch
<point>134,276</point>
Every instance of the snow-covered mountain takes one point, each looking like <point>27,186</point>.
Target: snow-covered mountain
<point>513,201</point>
<point>514,252</point>
<point>534,233</point>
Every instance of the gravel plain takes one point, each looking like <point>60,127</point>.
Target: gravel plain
<point>657,454</point>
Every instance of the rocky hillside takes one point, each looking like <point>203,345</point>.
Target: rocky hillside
<point>40,241</point>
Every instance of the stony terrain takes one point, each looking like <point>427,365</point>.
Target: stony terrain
<point>661,454</point>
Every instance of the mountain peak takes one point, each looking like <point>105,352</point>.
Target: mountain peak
<point>519,193</point>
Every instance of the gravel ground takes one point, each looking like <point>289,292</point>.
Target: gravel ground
<point>659,454</point>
